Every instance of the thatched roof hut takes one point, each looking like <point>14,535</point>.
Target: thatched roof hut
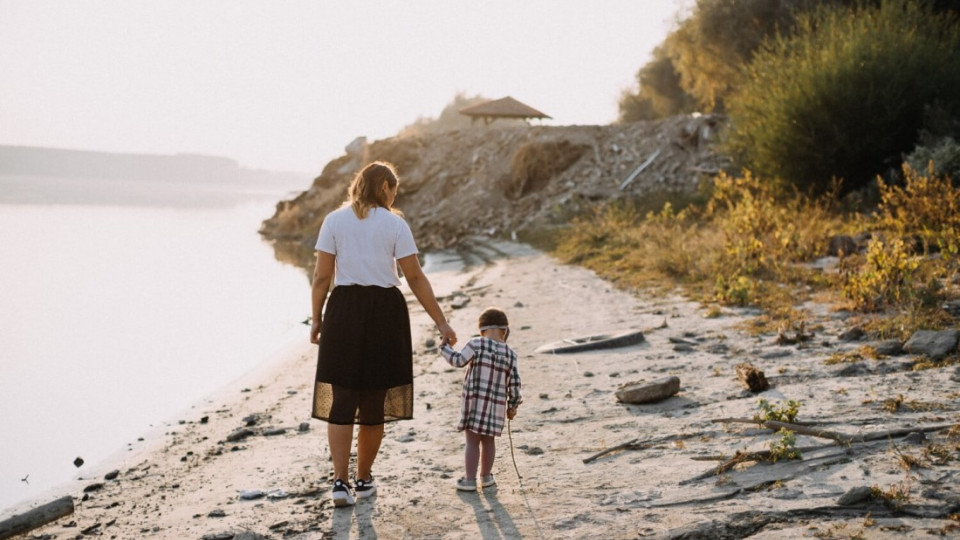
<point>501,108</point>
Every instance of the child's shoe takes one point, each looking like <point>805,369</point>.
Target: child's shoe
<point>341,494</point>
<point>366,488</point>
<point>488,481</point>
<point>467,484</point>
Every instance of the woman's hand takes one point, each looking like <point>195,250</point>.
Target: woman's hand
<point>511,413</point>
<point>447,335</point>
<point>315,332</point>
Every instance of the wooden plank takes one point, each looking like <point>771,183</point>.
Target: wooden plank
<point>36,517</point>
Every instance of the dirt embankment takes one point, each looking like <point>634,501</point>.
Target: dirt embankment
<point>506,182</point>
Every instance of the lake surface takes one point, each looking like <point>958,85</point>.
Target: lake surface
<point>120,308</point>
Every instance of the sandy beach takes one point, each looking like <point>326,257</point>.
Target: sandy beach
<point>249,462</point>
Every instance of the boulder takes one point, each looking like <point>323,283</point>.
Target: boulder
<point>932,343</point>
<point>648,392</point>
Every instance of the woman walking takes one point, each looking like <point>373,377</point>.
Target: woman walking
<point>365,360</point>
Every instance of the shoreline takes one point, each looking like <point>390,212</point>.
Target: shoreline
<point>195,483</point>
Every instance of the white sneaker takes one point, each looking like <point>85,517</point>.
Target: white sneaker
<point>465,484</point>
<point>341,494</point>
<point>488,481</point>
<point>366,488</point>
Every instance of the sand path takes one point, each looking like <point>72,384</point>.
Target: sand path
<point>186,480</point>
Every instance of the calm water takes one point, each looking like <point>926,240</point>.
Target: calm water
<point>117,313</point>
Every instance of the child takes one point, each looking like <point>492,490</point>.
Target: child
<point>491,390</point>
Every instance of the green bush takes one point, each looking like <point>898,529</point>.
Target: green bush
<point>844,95</point>
<point>943,156</point>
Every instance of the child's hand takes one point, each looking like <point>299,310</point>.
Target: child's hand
<point>511,413</point>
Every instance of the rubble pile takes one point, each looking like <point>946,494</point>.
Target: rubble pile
<point>506,181</point>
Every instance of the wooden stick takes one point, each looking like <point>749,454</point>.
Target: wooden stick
<point>846,439</point>
<point>610,450</point>
<point>36,517</point>
<point>805,430</point>
<point>639,170</point>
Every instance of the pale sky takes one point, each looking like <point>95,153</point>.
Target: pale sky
<point>285,85</point>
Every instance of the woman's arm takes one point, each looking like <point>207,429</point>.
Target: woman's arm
<point>422,289</point>
<point>322,277</point>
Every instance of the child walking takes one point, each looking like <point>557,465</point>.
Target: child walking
<point>491,391</point>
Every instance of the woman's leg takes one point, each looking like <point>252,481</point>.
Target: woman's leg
<point>340,438</point>
<point>488,453</point>
<point>368,445</point>
<point>471,455</point>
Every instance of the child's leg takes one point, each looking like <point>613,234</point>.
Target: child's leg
<point>488,453</point>
<point>471,456</point>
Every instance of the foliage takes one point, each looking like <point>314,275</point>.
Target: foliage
<point>942,157</point>
<point>926,207</point>
<point>785,447</point>
<point>886,278</point>
<point>746,241</point>
<point>659,95</point>
<point>926,211</point>
<point>710,47</point>
<point>845,94</point>
<point>784,412</point>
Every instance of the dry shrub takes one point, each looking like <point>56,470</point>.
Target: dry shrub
<point>534,164</point>
<point>925,208</point>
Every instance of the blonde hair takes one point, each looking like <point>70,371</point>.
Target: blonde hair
<point>366,190</point>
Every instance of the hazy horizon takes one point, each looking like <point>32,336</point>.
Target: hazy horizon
<point>284,87</point>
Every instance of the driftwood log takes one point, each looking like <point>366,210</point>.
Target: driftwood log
<point>752,378</point>
<point>36,517</point>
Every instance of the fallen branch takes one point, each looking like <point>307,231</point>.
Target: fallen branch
<point>635,444</point>
<point>847,439</point>
<point>639,170</point>
<point>612,449</point>
<point>805,428</point>
<point>744,457</point>
<point>36,517</point>
<point>756,421</point>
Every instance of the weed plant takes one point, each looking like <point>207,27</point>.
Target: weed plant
<point>749,241</point>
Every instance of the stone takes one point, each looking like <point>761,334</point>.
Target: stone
<point>239,435</point>
<point>935,344</point>
<point>252,494</point>
<point>841,244</point>
<point>644,392</point>
<point>112,475</point>
<point>855,495</point>
<point>853,334</point>
<point>890,347</point>
<point>917,437</point>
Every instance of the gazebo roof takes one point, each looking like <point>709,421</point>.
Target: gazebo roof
<point>502,108</point>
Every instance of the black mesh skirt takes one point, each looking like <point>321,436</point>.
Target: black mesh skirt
<point>365,363</point>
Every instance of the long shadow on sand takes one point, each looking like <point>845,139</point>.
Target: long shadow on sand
<point>494,522</point>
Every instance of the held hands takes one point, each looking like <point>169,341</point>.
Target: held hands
<point>447,335</point>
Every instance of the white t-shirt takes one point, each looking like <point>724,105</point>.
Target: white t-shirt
<point>366,249</point>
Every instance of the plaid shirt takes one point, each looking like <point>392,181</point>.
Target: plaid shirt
<point>492,384</point>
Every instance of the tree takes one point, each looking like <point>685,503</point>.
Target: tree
<point>660,94</point>
<point>845,94</point>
